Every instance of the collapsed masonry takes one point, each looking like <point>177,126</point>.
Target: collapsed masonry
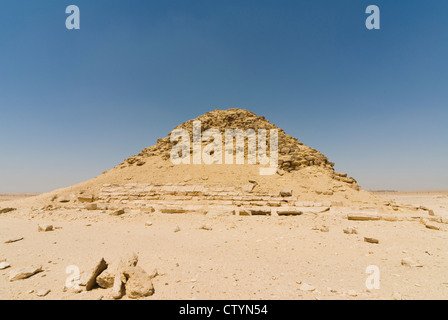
<point>184,198</point>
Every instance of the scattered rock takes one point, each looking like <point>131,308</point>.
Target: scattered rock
<point>324,229</point>
<point>350,230</point>
<point>352,293</point>
<point>63,199</point>
<point>43,292</point>
<point>286,193</point>
<point>91,206</point>
<point>410,262</point>
<point>23,273</point>
<point>4,265</point>
<point>14,240</point>
<point>432,226</point>
<point>129,261</point>
<point>371,240</point>
<point>147,210</point>
<point>206,227</point>
<point>6,210</point>
<point>106,279</point>
<point>86,197</point>
<point>248,187</point>
<point>148,223</point>
<point>138,283</point>
<point>45,227</point>
<point>94,273</point>
<point>118,287</point>
<point>363,217</point>
<point>119,212</point>
<point>177,229</point>
<point>119,278</point>
<point>306,287</point>
<point>153,274</point>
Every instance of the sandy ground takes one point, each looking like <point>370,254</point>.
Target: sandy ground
<point>257,257</point>
<point>16,196</point>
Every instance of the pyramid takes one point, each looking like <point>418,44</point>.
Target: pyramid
<point>149,180</point>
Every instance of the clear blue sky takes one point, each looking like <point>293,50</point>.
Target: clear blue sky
<point>76,103</point>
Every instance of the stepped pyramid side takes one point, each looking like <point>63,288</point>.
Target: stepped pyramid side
<point>293,154</point>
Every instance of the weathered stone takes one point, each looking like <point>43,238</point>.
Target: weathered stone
<point>432,226</point>
<point>350,230</point>
<point>63,199</point>
<point>410,262</point>
<point>285,211</point>
<point>243,212</point>
<point>94,273</point>
<point>4,265</point>
<point>280,172</point>
<point>363,217</point>
<point>86,198</point>
<point>119,212</point>
<point>6,210</point>
<point>45,227</point>
<point>206,227</point>
<point>312,210</point>
<point>219,212</point>
<point>118,287</point>
<point>286,193</point>
<point>119,278</point>
<point>106,279</point>
<point>306,287</point>
<point>352,293</point>
<point>43,292</point>
<point>390,218</point>
<point>148,223</point>
<point>12,240</point>
<point>173,209</point>
<point>147,210</point>
<point>371,240</point>
<point>260,211</point>
<point>248,188</point>
<point>23,273</point>
<point>138,283</point>
<point>91,206</point>
<point>154,273</point>
<point>274,203</point>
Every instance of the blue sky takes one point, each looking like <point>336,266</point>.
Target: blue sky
<point>76,103</point>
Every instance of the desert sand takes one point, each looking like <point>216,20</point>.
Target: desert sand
<point>225,232</point>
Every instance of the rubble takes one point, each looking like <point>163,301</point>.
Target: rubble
<point>23,273</point>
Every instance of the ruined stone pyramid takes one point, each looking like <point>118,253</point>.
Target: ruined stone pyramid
<point>305,178</point>
<point>294,155</point>
<point>150,181</point>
